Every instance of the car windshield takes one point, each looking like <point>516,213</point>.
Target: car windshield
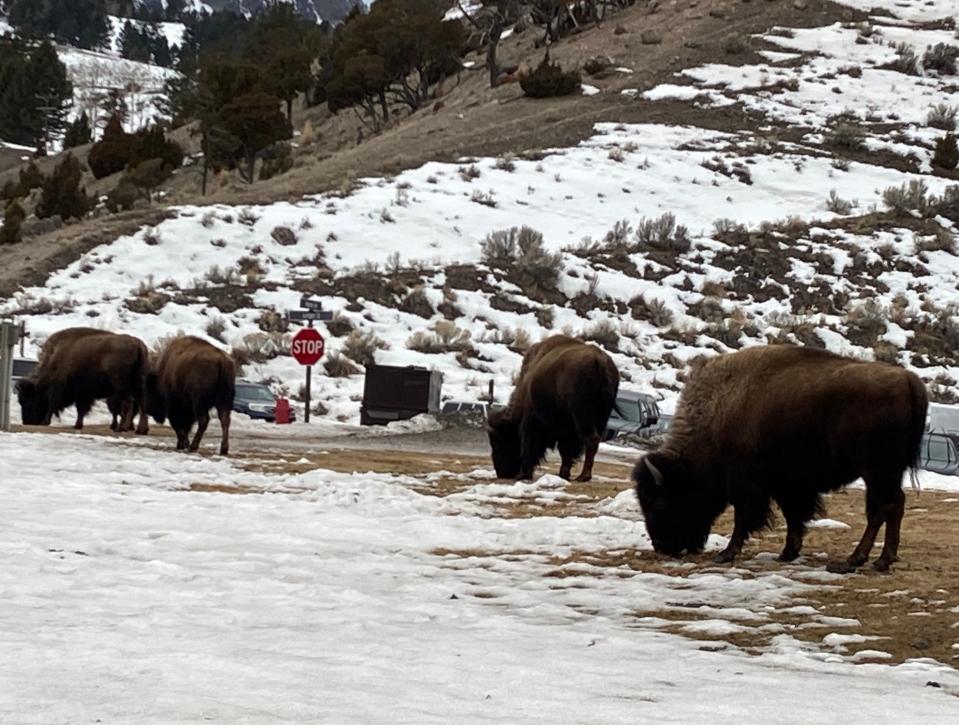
<point>254,392</point>
<point>630,410</point>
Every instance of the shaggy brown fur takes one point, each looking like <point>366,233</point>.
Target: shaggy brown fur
<point>563,398</point>
<point>81,365</point>
<point>190,377</point>
<point>783,423</point>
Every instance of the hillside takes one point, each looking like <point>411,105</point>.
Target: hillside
<point>762,173</point>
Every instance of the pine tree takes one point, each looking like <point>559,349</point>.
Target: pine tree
<point>112,152</point>
<point>256,122</point>
<point>52,90</point>
<point>35,95</point>
<point>134,44</point>
<point>62,194</point>
<point>30,178</point>
<point>78,133</point>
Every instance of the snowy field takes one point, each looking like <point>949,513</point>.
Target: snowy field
<point>325,597</point>
<point>424,220</point>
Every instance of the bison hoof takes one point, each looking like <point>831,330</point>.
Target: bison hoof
<point>882,565</point>
<point>142,431</point>
<point>841,567</point>
<point>583,478</point>
<point>724,557</point>
<point>789,555</point>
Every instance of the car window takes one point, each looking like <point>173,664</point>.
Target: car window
<point>938,449</point>
<point>255,392</point>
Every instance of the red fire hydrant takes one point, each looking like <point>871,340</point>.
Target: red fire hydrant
<point>282,412</point>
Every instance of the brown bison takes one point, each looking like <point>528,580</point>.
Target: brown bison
<point>563,398</point>
<point>190,377</point>
<point>786,424</point>
<point>81,365</point>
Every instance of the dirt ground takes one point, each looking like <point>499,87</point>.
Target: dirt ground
<point>910,613</point>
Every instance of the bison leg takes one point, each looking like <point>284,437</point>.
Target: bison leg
<point>202,421</point>
<point>83,408</point>
<point>874,520</point>
<point>592,445</point>
<point>795,531</point>
<point>890,550</point>
<point>750,513</point>
<point>224,416</point>
<point>143,425</point>
<point>126,420</point>
<point>532,447</point>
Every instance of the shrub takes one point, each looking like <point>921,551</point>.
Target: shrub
<point>521,253</point>
<point>885,351</point>
<point>13,217</point>
<point>260,347</point>
<point>215,328</point>
<point>946,155</point>
<point>506,163</point>
<point>62,194</point>
<point>837,205</point>
<point>906,60</point>
<point>469,173</point>
<point>445,337</point>
<point>338,366</point>
<point>361,347</point>
<point>544,316</point>
<point>487,199</point>
<point>271,321</point>
<point>123,197</point>
<point>942,116</point>
<point>277,160</point>
<point>865,323</point>
<point>549,80</point>
<point>847,136</point>
<point>942,241</point>
<point>655,311</point>
<point>112,152</point>
<point>339,326</point>
<point>147,175</point>
<point>30,178</point>
<point>941,58</point>
<point>662,234</point>
<point>604,333</point>
<point>307,135</point>
<point>906,198</point>
<point>417,303</point>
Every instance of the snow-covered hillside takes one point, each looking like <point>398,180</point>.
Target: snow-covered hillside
<point>779,247</point>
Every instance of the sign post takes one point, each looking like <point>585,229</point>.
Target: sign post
<point>308,345</point>
<point>9,332</point>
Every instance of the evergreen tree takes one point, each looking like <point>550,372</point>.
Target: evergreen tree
<point>78,133</point>
<point>35,95</point>
<point>256,122</point>
<point>52,89</point>
<point>62,194</point>
<point>134,44</point>
<point>112,152</point>
<point>12,220</point>
<point>30,178</point>
<point>78,22</point>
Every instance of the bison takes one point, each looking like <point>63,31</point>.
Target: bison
<point>563,398</point>
<point>81,365</point>
<point>190,377</point>
<point>785,424</point>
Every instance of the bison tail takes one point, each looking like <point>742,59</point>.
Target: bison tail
<point>225,387</point>
<point>609,385</point>
<point>917,425</point>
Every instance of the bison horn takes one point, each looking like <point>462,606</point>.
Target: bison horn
<point>657,474</point>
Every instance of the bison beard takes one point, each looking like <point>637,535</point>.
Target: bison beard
<point>81,365</point>
<point>563,398</point>
<point>783,424</point>
<point>190,377</point>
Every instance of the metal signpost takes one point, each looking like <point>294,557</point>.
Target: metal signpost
<point>9,332</point>
<point>308,346</point>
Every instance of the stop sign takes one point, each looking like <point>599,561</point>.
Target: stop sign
<point>307,347</point>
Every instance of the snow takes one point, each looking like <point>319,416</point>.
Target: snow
<point>128,597</point>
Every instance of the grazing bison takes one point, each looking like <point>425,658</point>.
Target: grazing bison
<point>563,397</point>
<point>190,377</point>
<point>81,365</point>
<point>786,424</point>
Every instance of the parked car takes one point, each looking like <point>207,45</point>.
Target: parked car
<point>458,406</point>
<point>633,413</point>
<point>256,401</point>
<point>939,453</point>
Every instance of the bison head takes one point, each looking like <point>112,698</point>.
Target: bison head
<point>153,398</point>
<point>677,511</point>
<point>35,406</point>
<point>504,444</point>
